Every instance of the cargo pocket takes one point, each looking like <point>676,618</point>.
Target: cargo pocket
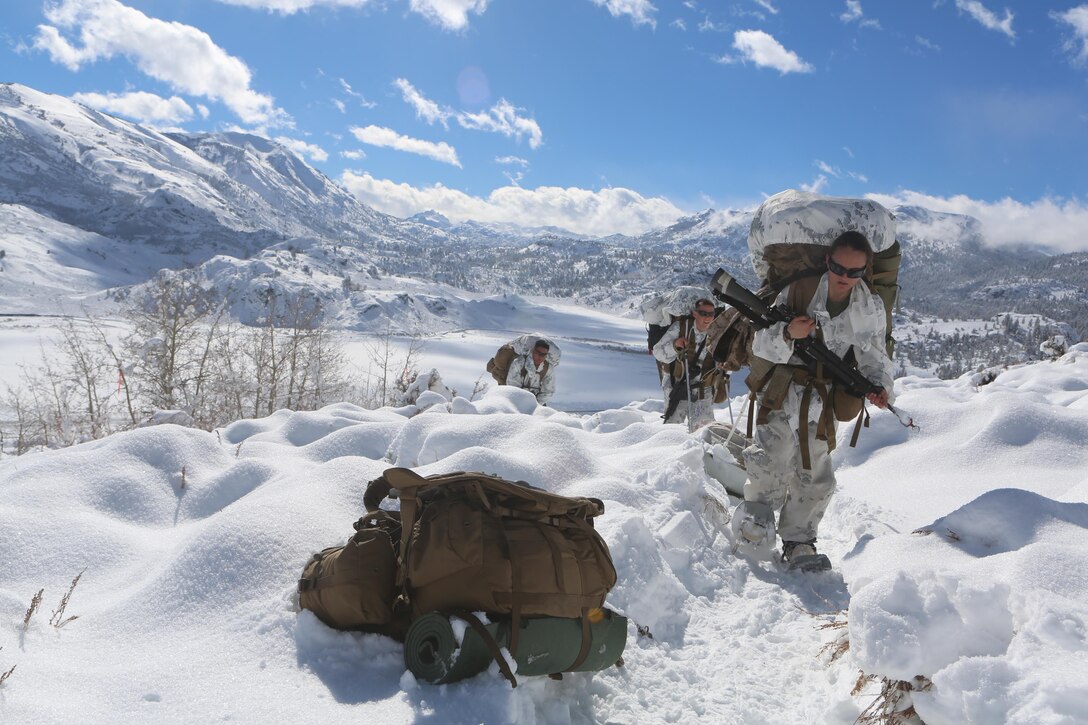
<point>376,565</point>
<point>449,540</point>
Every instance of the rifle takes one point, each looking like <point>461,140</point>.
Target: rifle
<point>810,350</point>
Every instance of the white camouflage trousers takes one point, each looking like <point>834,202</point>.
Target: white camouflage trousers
<point>776,478</point>
<point>702,411</point>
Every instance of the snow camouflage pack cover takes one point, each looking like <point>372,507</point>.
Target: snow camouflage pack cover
<point>801,217</point>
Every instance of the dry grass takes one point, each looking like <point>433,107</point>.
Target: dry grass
<point>7,674</point>
<point>840,645</point>
<point>948,533</point>
<point>37,600</point>
<point>893,704</point>
<point>57,619</point>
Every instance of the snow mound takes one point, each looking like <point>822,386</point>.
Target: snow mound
<point>190,544</point>
<point>988,603</point>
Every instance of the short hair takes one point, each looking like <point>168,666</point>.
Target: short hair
<point>703,301</point>
<point>542,343</point>
<point>852,240</point>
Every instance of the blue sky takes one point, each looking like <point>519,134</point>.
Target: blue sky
<point>608,115</point>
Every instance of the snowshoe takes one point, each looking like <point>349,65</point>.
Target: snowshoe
<point>802,556</point>
<point>753,527</point>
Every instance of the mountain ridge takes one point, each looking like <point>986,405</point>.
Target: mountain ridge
<point>249,210</point>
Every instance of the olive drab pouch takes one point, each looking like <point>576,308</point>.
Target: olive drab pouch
<point>353,586</point>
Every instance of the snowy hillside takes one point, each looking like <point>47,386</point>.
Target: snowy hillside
<point>191,194</point>
<point>92,205</point>
<point>189,544</point>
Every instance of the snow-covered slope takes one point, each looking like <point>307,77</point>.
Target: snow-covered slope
<point>194,194</point>
<point>95,203</point>
<point>190,543</point>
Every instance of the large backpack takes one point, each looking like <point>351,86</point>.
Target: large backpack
<point>499,365</point>
<point>789,238</point>
<point>462,542</point>
<point>660,310</point>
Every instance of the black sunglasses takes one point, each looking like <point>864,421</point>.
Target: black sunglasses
<point>852,273</point>
<point>704,313</point>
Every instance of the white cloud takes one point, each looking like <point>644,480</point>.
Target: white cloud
<point>339,105</point>
<point>502,118</point>
<point>854,14</point>
<point>987,18</point>
<point>926,43</point>
<point>679,23</point>
<point>1077,18</point>
<point>1061,225</point>
<point>388,138</point>
<point>763,50</point>
<point>425,108</point>
<point>139,105</point>
<point>817,186</point>
<point>356,95</point>
<point>597,213</point>
<point>766,5</point>
<point>302,148</point>
<point>709,26</point>
<point>203,110</point>
<point>450,14</point>
<point>289,7</point>
<point>354,155</point>
<point>640,11</point>
<point>837,172</point>
<point>511,160</point>
<point>179,55</point>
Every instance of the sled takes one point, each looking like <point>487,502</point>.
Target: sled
<point>723,456</point>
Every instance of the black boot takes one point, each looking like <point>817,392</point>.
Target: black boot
<point>802,556</point>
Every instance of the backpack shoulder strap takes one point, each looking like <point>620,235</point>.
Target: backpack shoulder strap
<point>801,293</point>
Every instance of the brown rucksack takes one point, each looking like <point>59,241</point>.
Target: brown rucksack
<point>463,542</point>
<point>499,366</point>
<point>352,586</point>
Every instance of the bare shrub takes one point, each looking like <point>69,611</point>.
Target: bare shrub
<point>893,705</point>
<point>388,371</point>
<point>175,323</point>
<point>482,386</point>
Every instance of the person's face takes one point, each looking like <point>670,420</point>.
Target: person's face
<point>539,354</point>
<point>842,264</point>
<point>704,315</point>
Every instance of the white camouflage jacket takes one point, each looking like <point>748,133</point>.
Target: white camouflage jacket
<point>861,325</point>
<point>523,374</point>
<point>665,352</point>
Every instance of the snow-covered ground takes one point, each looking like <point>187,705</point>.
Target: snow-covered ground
<point>190,544</point>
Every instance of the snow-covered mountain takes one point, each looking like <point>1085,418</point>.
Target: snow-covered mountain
<point>193,194</point>
<point>89,203</point>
